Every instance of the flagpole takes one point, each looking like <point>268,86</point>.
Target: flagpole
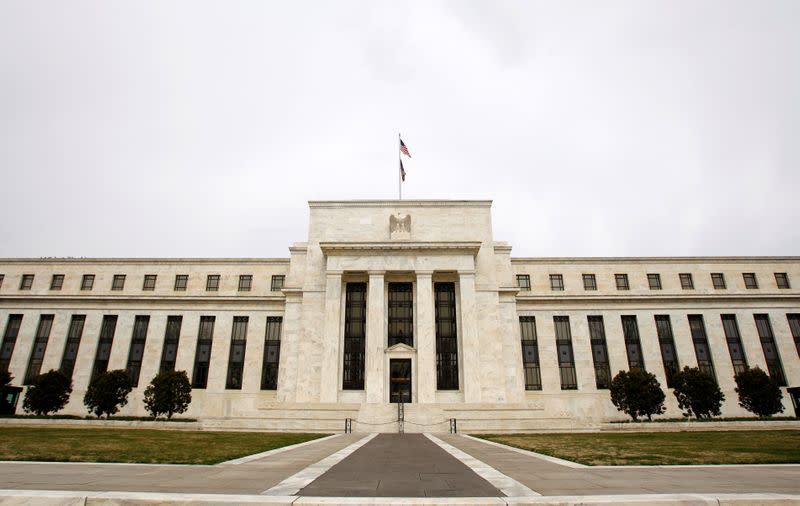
<point>399,169</point>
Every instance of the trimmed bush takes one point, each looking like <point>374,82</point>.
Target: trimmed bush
<point>108,392</point>
<point>637,393</point>
<point>169,393</point>
<point>48,393</point>
<point>758,393</point>
<point>697,393</point>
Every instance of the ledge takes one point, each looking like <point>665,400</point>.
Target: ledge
<point>654,260</point>
<point>388,248</point>
<point>397,203</point>
<point>148,261</point>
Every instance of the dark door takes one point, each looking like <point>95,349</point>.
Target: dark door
<point>794,394</point>
<point>400,380</point>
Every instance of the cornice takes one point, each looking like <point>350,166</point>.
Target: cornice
<point>383,248</point>
<point>658,298</point>
<point>338,204</point>
<point>148,261</point>
<point>654,260</point>
<point>151,298</point>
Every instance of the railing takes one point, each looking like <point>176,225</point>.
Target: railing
<point>401,417</point>
<point>453,426</point>
<point>348,425</point>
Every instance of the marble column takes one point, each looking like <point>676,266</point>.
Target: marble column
<point>329,376</point>
<point>425,339</point>
<point>376,340</point>
<point>470,347</point>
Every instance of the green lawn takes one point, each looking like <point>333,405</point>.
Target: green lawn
<point>712,447</point>
<point>137,445</point>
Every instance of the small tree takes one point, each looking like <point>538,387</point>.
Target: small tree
<point>637,393</point>
<point>48,393</point>
<point>170,392</point>
<point>758,393</point>
<point>108,392</point>
<point>6,407</point>
<point>698,393</point>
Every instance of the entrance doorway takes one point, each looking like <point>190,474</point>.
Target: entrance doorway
<point>400,380</point>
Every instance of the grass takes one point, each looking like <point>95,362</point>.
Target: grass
<point>712,447</point>
<point>148,446</point>
<point>715,419</point>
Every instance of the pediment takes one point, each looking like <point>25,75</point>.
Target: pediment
<point>400,347</point>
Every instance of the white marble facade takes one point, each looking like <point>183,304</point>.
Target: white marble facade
<point>379,243</point>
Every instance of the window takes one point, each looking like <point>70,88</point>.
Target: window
<point>589,282</point>
<point>212,283</point>
<point>245,282</point>
<point>597,336</point>
<point>136,351</point>
<point>202,357</point>
<point>622,281</point>
<point>149,282</point>
<point>566,359</point>
<point>401,314</point>
<point>118,282</point>
<point>172,335</point>
<point>666,342</point>
<point>771,354</point>
<point>2,277</point>
<point>654,280</point>
<point>107,330</point>
<point>39,347</point>
<point>782,280</point>
<point>794,326</point>
<point>530,353</point>
<point>718,280</point>
<point>446,336</point>
<point>26,282</point>
<point>355,323</point>
<point>74,335</point>
<point>750,280</point>
<point>734,340</point>
<point>272,353</point>
<point>87,282</point>
<point>524,282</point>
<point>701,348</point>
<point>556,282</point>
<point>181,280</point>
<point>9,340</point>
<point>687,283</point>
<point>236,356</point>
<point>633,346</point>
<point>57,282</point>
<point>276,285</point>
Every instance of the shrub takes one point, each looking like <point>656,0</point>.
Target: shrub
<point>637,393</point>
<point>170,392</point>
<point>697,393</point>
<point>48,393</point>
<point>108,392</point>
<point>758,393</point>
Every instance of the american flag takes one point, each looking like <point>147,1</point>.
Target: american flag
<point>404,149</point>
<point>402,171</point>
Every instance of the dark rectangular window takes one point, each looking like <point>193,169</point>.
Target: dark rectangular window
<point>169,353</point>
<point>74,335</point>
<point>530,353</point>
<point>149,283</point>
<point>597,339</point>
<point>782,280</point>
<point>401,314</point>
<point>718,280</point>
<point>355,326</point>
<point>26,282</point>
<point>272,353</point>
<point>181,280</point>
<point>236,356</point>
<point>771,354</point>
<point>566,358</point>
<point>39,347</point>
<point>654,280</point>
<point>524,282</point>
<point>87,282</point>
<point>666,342</point>
<point>794,326</point>
<point>589,282</point>
<point>9,340</point>
<point>557,282</point>
<point>276,284</point>
<point>2,278</point>
<point>734,340</point>
<point>245,282</point>
<point>57,282</point>
<point>750,280</point>
<point>622,281</point>
<point>136,351</point>
<point>107,330</point>
<point>701,348</point>
<point>446,336</point>
<point>212,283</point>
<point>118,282</point>
<point>633,346</point>
<point>202,357</point>
<point>687,283</point>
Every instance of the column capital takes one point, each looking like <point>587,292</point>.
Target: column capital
<point>376,273</point>
<point>423,273</point>
<point>337,274</point>
<point>462,274</point>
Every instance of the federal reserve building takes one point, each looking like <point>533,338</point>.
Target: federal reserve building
<point>401,302</point>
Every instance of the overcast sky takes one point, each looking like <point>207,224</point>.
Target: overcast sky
<point>202,128</point>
